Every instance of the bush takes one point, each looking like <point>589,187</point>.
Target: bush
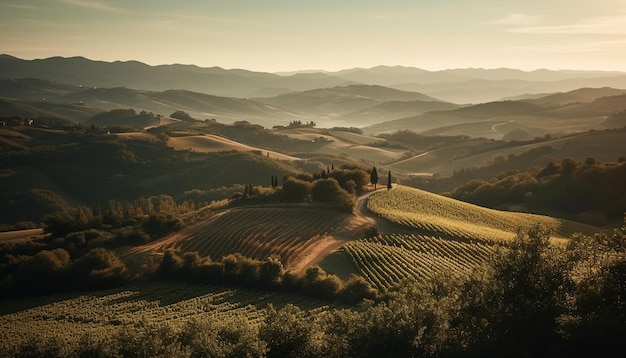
<point>329,191</point>
<point>356,290</point>
<point>286,333</point>
<point>295,190</point>
<point>99,268</point>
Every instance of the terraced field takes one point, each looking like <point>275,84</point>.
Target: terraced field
<point>423,235</point>
<point>291,232</point>
<point>387,260</point>
<point>437,215</point>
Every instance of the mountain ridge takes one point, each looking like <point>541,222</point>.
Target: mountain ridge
<point>449,85</point>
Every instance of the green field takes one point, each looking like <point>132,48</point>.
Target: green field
<point>439,215</point>
<point>389,260</point>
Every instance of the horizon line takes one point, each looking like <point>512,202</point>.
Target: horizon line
<point>311,71</point>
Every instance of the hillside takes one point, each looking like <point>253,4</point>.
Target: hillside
<point>373,108</point>
<point>32,98</point>
<point>295,233</point>
<point>477,85</point>
<point>87,167</point>
<point>422,235</point>
<point>211,143</point>
<point>558,114</point>
<point>355,105</point>
<point>344,144</point>
<point>501,156</point>
<point>418,234</point>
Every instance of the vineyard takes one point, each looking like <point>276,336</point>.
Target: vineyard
<point>438,215</point>
<point>103,313</point>
<point>387,260</point>
<point>258,232</point>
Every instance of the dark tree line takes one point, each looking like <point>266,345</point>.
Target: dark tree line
<point>238,270</point>
<point>587,191</point>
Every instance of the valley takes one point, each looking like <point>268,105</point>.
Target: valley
<point>252,203</point>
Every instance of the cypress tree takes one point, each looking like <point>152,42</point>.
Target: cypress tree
<point>374,177</point>
<point>389,181</point>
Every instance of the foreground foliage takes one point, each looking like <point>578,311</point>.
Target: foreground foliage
<point>530,299</point>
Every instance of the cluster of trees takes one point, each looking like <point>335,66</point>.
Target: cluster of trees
<point>532,300</point>
<point>53,270</point>
<point>79,244</point>
<point>299,124</point>
<point>587,191</point>
<point>150,217</point>
<point>339,188</point>
<point>235,269</point>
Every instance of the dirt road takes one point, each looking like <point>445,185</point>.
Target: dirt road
<point>354,227</point>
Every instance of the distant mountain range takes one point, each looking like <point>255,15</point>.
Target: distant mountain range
<point>461,86</point>
<point>56,88</point>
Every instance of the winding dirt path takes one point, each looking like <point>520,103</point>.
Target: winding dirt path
<point>354,227</point>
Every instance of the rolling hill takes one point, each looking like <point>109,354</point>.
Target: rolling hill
<point>444,161</point>
<point>558,114</point>
<point>477,85</point>
<point>56,167</point>
<point>419,234</point>
<point>31,98</point>
<point>212,143</point>
<point>356,105</point>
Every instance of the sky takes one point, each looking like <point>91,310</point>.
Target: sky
<point>331,35</point>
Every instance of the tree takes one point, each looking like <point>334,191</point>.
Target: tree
<point>374,177</point>
<point>329,191</point>
<point>515,305</point>
<point>270,271</point>
<point>182,115</point>
<point>389,181</point>
<point>286,332</point>
<point>357,289</point>
<point>295,190</point>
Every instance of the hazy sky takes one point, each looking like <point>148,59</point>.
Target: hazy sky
<point>272,35</point>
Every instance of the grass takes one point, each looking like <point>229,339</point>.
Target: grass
<point>439,215</point>
<point>211,143</point>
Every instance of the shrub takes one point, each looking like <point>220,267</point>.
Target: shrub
<point>99,268</point>
<point>356,289</point>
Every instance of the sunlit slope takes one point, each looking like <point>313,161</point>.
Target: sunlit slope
<point>559,114</point>
<point>437,236</point>
<point>292,232</point>
<point>388,259</point>
<point>439,215</point>
<point>600,145</point>
<point>345,144</point>
<point>212,143</point>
